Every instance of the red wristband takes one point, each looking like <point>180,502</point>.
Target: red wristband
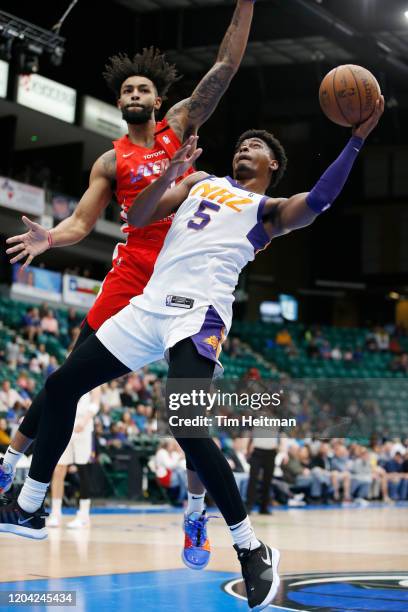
<point>50,241</point>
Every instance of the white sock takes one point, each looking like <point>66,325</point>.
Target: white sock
<point>56,505</point>
<point>32,494</point>
<point>12,457</point>
<point>243,535</point>
<point>84,506</point>
<point>195,503</point>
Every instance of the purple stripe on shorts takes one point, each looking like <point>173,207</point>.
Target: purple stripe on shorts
<point>208,339</point>
<point>258,236</point>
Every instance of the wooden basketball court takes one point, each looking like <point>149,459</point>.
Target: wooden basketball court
<point>129,559</point>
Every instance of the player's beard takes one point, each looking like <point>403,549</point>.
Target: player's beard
<point>137,117</point>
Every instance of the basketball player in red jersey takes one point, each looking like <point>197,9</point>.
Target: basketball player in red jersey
<point>140,85</point>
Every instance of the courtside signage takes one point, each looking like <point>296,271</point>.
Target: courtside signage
<point>79,291</point>
<point>102,118</point>
<point>22,197</point>
<point>47,96</point>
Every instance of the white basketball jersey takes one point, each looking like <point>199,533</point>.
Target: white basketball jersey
<point>216,231</point>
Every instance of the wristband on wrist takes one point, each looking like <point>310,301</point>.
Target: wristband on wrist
<point>50,240</point>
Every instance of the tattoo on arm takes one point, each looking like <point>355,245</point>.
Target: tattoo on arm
<point>208,93</point>
<point>175,118</point>
<point>187,116</point>
<point>109,164</point>
<point>225,50</point>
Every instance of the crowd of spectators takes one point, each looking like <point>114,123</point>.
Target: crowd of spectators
<point>318,346</point>
<point>305,470</point>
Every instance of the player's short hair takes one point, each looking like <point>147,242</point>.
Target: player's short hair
<point>276,147</point>
<point>151,63</point>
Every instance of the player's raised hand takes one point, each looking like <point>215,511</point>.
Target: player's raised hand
<point>184,157</point>
<point>30,244</point>
<point>364,129</point>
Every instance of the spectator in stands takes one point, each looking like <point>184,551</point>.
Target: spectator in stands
<point>371,342</point>
<point>170,468</point>
<point>382,338</point>
<point>340,465</point>
<point>131,428</point>
<point>361,475</point>
<point>49,324</point>
<point>323,477</point>
<point>117,436</point>
<point>283,338</point>
<point>31,324</point>
<point>139,387</point>
<point>358,354</point>
<point>141,418</point>
<point>4,435</point>
<point>111,395</point>
<point>295,472</point>
<point>105,418</point>
<point>43,357</point>
<point>51,367</point>
<point>73,319</point>
<point>325,350</point>
<point>397,479</point>
<point>308,335</point>
<point>22,359</point>
<point>380,482</point>
<point>12,351</point>
<point>336,353</point>
<point>235,347</point>
<point>34,366</point>
<point>128,395</point>
<point>9,396</point>
<point>395,346</point>
<point>100,438</point>
<point>348,355</point>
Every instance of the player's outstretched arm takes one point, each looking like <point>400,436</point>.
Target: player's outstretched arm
<point>284,215</point>
<point>188,115</point>
<point>160,198</point>
<point>75,227</point>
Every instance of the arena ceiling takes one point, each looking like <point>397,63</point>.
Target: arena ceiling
<point>288,32</point>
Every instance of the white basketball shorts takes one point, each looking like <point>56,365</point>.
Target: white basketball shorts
<point>137,337</point>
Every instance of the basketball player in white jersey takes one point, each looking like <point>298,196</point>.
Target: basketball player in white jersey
<point>78,452</point>
<point>184,313</point>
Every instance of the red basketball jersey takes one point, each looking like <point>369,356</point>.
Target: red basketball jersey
<point>137,167</point>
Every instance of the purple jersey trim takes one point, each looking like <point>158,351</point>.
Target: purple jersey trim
<point>208,340</point>
<point>235,183</point>
<point>258,236</point>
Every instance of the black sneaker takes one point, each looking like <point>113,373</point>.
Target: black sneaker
<point>260,572</point>
<point>14,519</point>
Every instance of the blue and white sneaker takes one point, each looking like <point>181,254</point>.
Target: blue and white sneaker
<point>6,477</point>
<point>14,519</point>
<point>196,552</point>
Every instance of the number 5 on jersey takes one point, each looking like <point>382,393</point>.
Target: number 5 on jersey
<point>205,217</point>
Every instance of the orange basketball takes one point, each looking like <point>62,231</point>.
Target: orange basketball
<point>348,95</point>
